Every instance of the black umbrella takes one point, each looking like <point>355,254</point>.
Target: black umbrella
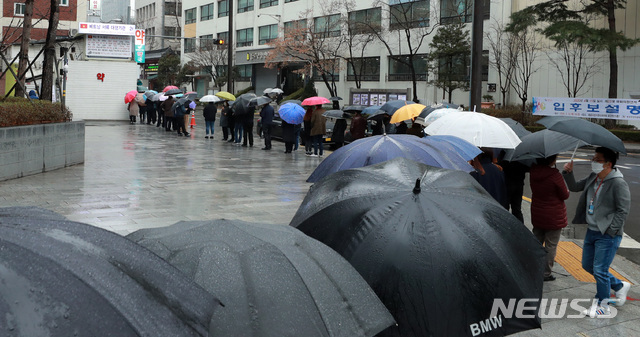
<point>260,100</point>
<point>173,92</point>
<point>335,98</point>
<point>272,279</point>
<point>338,114</point>
<point>241,106</point>
<point>584,130</point>
<point>516,127</point>
<point>63,278</point>
<point>354,108</point>
<point>437,251</point>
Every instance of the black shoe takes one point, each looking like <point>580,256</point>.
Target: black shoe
<point>549,278</point>
<point>206,137</point>
<point>266,148</point>
<point>179,134</point>
<point>186,134</point>
<point>244,145</point>
<point>230,141</point>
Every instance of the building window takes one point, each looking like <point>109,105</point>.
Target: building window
<point>367,69</point>
<point>64,3</point>
<point>331,69</point>
<point>18,9</point>
<point>190,16</point>
<point>457,66</point>
<point>287,1</point>
<point>245,6</point>
<point>244,37</point>
<point>365,20</point>
<point>409,14</point>
<point>221,70</point>
<point>206,42</point>
<point>172,8</point>
<point>297,28</point>
<point>206,12</point>
<point>399,68</point>
<point>223,8</point>
<point>267,34</point>
<point>461,11</point>
<point>189,45</point>
<point>224,36</point>
<point>245,72</point>
<point>171,31</point>
<point>327,26</point>
<point>268,3</point>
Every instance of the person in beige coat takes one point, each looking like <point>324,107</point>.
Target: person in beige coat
<point>134,107</point>
<point>318,130</point>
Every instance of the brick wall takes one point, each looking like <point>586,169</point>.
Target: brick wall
<point>14,34</point>
<point>41,9</point>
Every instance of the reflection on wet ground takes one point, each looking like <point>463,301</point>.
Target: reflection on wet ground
<point>138,176</point>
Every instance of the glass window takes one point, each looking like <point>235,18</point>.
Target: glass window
<point>367,68</point>
<point>172,8</point>
<point>221,70</point>
<point>190,16</point>
<point>268,3</point>
<point>298,27</point>
<point>245,6</point>
<point>331,69</point>
<point>457,66</point>
<point>189,45</point>
<point>399,69</point>
<point>206,12</point>
<point>224,36</point>
<point>206,42</point>
<point>409,14</point>
<point>171,31</point>
<point>18,9</point>
<point>455,11</point>
<point>364,20</point>
<point>64,3</point>
<point>267,34</point>
<point>244,37</point>
<point>223,8</point>
<point>287,1</point>
<point>327,26</point>
<point>245,72</point>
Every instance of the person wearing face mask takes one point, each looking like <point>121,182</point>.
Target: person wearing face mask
<point>548,211</point>
<point>603,206</point>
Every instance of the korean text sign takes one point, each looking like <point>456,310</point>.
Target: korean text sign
<point>605,108</point>
<point>139,46</point>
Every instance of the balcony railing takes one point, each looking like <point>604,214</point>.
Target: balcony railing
<point>406,77</point>
<point>371,78</point>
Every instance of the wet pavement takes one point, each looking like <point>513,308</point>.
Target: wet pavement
<point>139,176</point>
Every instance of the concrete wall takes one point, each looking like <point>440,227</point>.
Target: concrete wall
<point>31,149</point>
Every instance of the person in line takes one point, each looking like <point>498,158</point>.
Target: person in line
<point>179,112</point>
<point>151,111</point>
<point>548,211</point>
<point>237,124</point>
<point>168,122</point>
<point>209,112</point>
<point>401,128</point>
<point>247,127</point>
<point>318,130</point>
<point>297,131</point>
<point>266,116</point>
<point>159,114</point>
<point>226,122</point>
<point>143,108</point>
<point>134,108</point>
<point>306,132</point>
<point>490,176</point>
<point>415,129</point>
<point>288,135</point>
<point>358,126</point>
<point>603,206</point>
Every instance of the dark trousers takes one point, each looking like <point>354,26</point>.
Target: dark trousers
<point>142,115</point>
<point>179,122</point>
<point>247,130</point>
<point>266,133</point>
<point>225,133</point>
<point>151,116</point>
<point>288,147</point>
<point>169,123</point>
<point>515,200</point>
<point>132,119</point>
<point>160,119</point>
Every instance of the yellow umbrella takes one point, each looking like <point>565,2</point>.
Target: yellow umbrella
<point>226,95</point>
<point>409,111</point>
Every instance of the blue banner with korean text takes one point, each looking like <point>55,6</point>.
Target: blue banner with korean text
<point>606,108</point>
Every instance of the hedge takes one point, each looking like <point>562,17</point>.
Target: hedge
<point>17,111</point>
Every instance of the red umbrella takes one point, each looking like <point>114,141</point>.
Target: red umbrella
<point>130,96</point>
<point>315,100</point>
<point>169,87</point>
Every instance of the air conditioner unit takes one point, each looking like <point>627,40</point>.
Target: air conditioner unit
<point>73,32</point>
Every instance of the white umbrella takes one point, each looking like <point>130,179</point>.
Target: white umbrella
<point>162,97</point>
<point>210,98</point>
<point>435,115</point>
<point>477,128</point>
<point>267,91</point>
<point>276,91</point>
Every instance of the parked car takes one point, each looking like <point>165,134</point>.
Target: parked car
<point>276,131</point>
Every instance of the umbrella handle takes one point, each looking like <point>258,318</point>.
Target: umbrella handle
<point>574,151</point>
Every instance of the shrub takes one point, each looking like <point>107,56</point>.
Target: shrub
<point>18,111</point>
<point>309,89</point>
<point>294,95</point>
<point>243,91</point>
<point>515,113</point>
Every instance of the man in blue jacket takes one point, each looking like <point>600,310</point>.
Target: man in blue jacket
<point>178,115</point>
<point>603,206</point>
<point>266,116</point>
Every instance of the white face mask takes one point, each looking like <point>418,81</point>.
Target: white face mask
<point>596,167</point>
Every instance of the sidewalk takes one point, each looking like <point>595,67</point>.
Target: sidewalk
<point>140,176</point>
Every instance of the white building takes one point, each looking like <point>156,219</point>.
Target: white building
<point>258,21</point>
<point>161,21</point>
<point>115,10</point>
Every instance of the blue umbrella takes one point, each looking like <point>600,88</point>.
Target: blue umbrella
<point>291,113</point>
<point>377,149</point>
<point>466,150</point>
<point>371,110</point>
<point>391,106</point>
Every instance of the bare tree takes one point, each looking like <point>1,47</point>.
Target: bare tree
<point>409,20</point>
<point>528,46</point>
<point>356,39</point>
<point>50,51</point>
<point>502,50</point>
<point>24,47</point>
<point>210,56</point>
<point>575,69</point>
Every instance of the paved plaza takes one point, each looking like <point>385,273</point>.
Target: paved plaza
<point>140,176</point>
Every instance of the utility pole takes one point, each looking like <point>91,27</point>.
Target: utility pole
<point>230,50</point>
<point>476,56</point>
<point>65,69</point>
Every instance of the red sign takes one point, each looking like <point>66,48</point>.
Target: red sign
<point>101,77</point>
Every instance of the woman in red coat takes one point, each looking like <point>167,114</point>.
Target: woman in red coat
<point>548,212</point>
